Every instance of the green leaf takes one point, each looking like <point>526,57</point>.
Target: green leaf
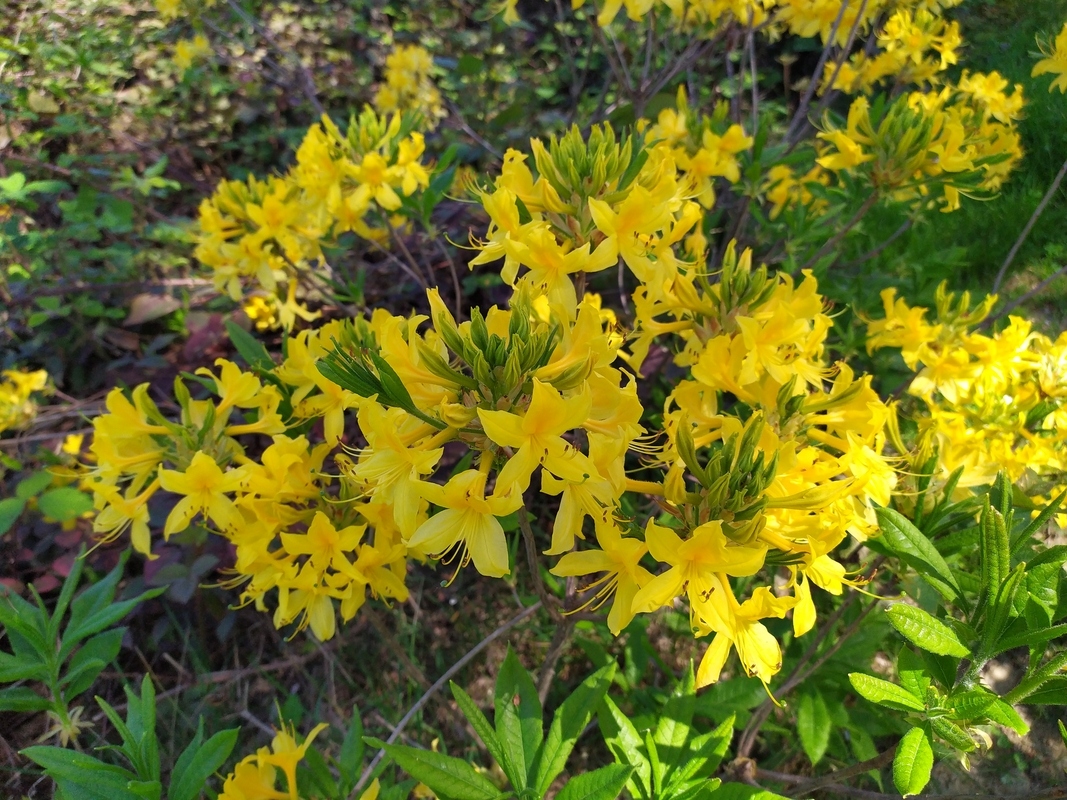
<point>447,776</point>
<point>64,504</point>
<point>1003,714</point>
<point>19,668</point>
<point>479,722</point>
<point>10,509</point>
<point>350,759</point>
<point>199,762</point>
<point>925,631</point>
<point>813,725</point>
<point>1052,692</point>
<point>92,778</point>
<point>912,547</point>
<point>673,727</point>
<point>625,744</point>
<point>91,658</point>
<point>601,784</point>
<point>884,693</point>
<point>518,720</point>
<point>1037,523</point>
<point>971,704</point>
<point>953,735</point>
<point>705,754</point>
<point>568,722</point>
<point>913,762</point>
<point>249,347</point>
<point>33,485</point>
<point>22,698</point>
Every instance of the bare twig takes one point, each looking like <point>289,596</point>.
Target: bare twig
<point>876,251</point>
<point>1020,300</point>
<point>560,639</point>
<point>310,91</point>
<point>802,108</point>
<point>440,682</point>
<point>839,62</point>
<point>835,240</point>
<point>879,761</point>
<point>1029,226</point>
<point>548,601</point>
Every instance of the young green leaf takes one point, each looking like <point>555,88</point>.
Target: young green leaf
<point>953,735</point>
<point>518,720</point>
<point>568,722</point>
<point>250,348</point>
<point>705,754</point>
<point>601,784</point>
<point>884,693</point>
<point>912,546</point>
<point>813,725</point>
<point>478,721</point>
<point>672,729</point>
<point>913,762</point>
<point>198,762</point>
<point>449,777</point>
<point>22,698</point>
<point>83,776</point>
<point>925,630</point>
<point>625,744</point>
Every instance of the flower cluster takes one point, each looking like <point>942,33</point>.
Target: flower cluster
<point>766,456</point>
<point>17,387</point>
<point>408,85</point>
<point>984,402</point>
<point>959,141</point>
<point>273,231</point>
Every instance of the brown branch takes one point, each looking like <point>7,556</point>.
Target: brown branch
<point>1029,226</point>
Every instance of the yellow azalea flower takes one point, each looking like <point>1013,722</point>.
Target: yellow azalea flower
<point>252,779</point>
<point>551,265</point>
<point>1055,62</point>
<point>204,486</point>
<point>323,544</point>
<point>849,152</point>
<point>738,626</point>
<point>629,226</point>
<point>619,558</point>
<point>468,522</point>
<point>536,438</point>
<point>117,513</point>
<point>698,566</point>
<point>286,753</point>
<point>391,469</point>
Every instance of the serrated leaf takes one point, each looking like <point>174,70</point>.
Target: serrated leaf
<point>913,762</point>
<point>813,725</point>
<point>1003,714</point>
<point>926,631</point>
<point>884,693</point>
<point>601,784</point>
<point>447,776</point>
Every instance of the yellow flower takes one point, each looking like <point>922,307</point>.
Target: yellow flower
<point>468,522</point>
<point>620,559</point>
<point>286,753</point>
<point>739,627</point>
<point>204,486</point>
<point>1055,62</point>
<point>536,437</point>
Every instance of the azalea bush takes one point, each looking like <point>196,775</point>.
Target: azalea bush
<point>640,409</point>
